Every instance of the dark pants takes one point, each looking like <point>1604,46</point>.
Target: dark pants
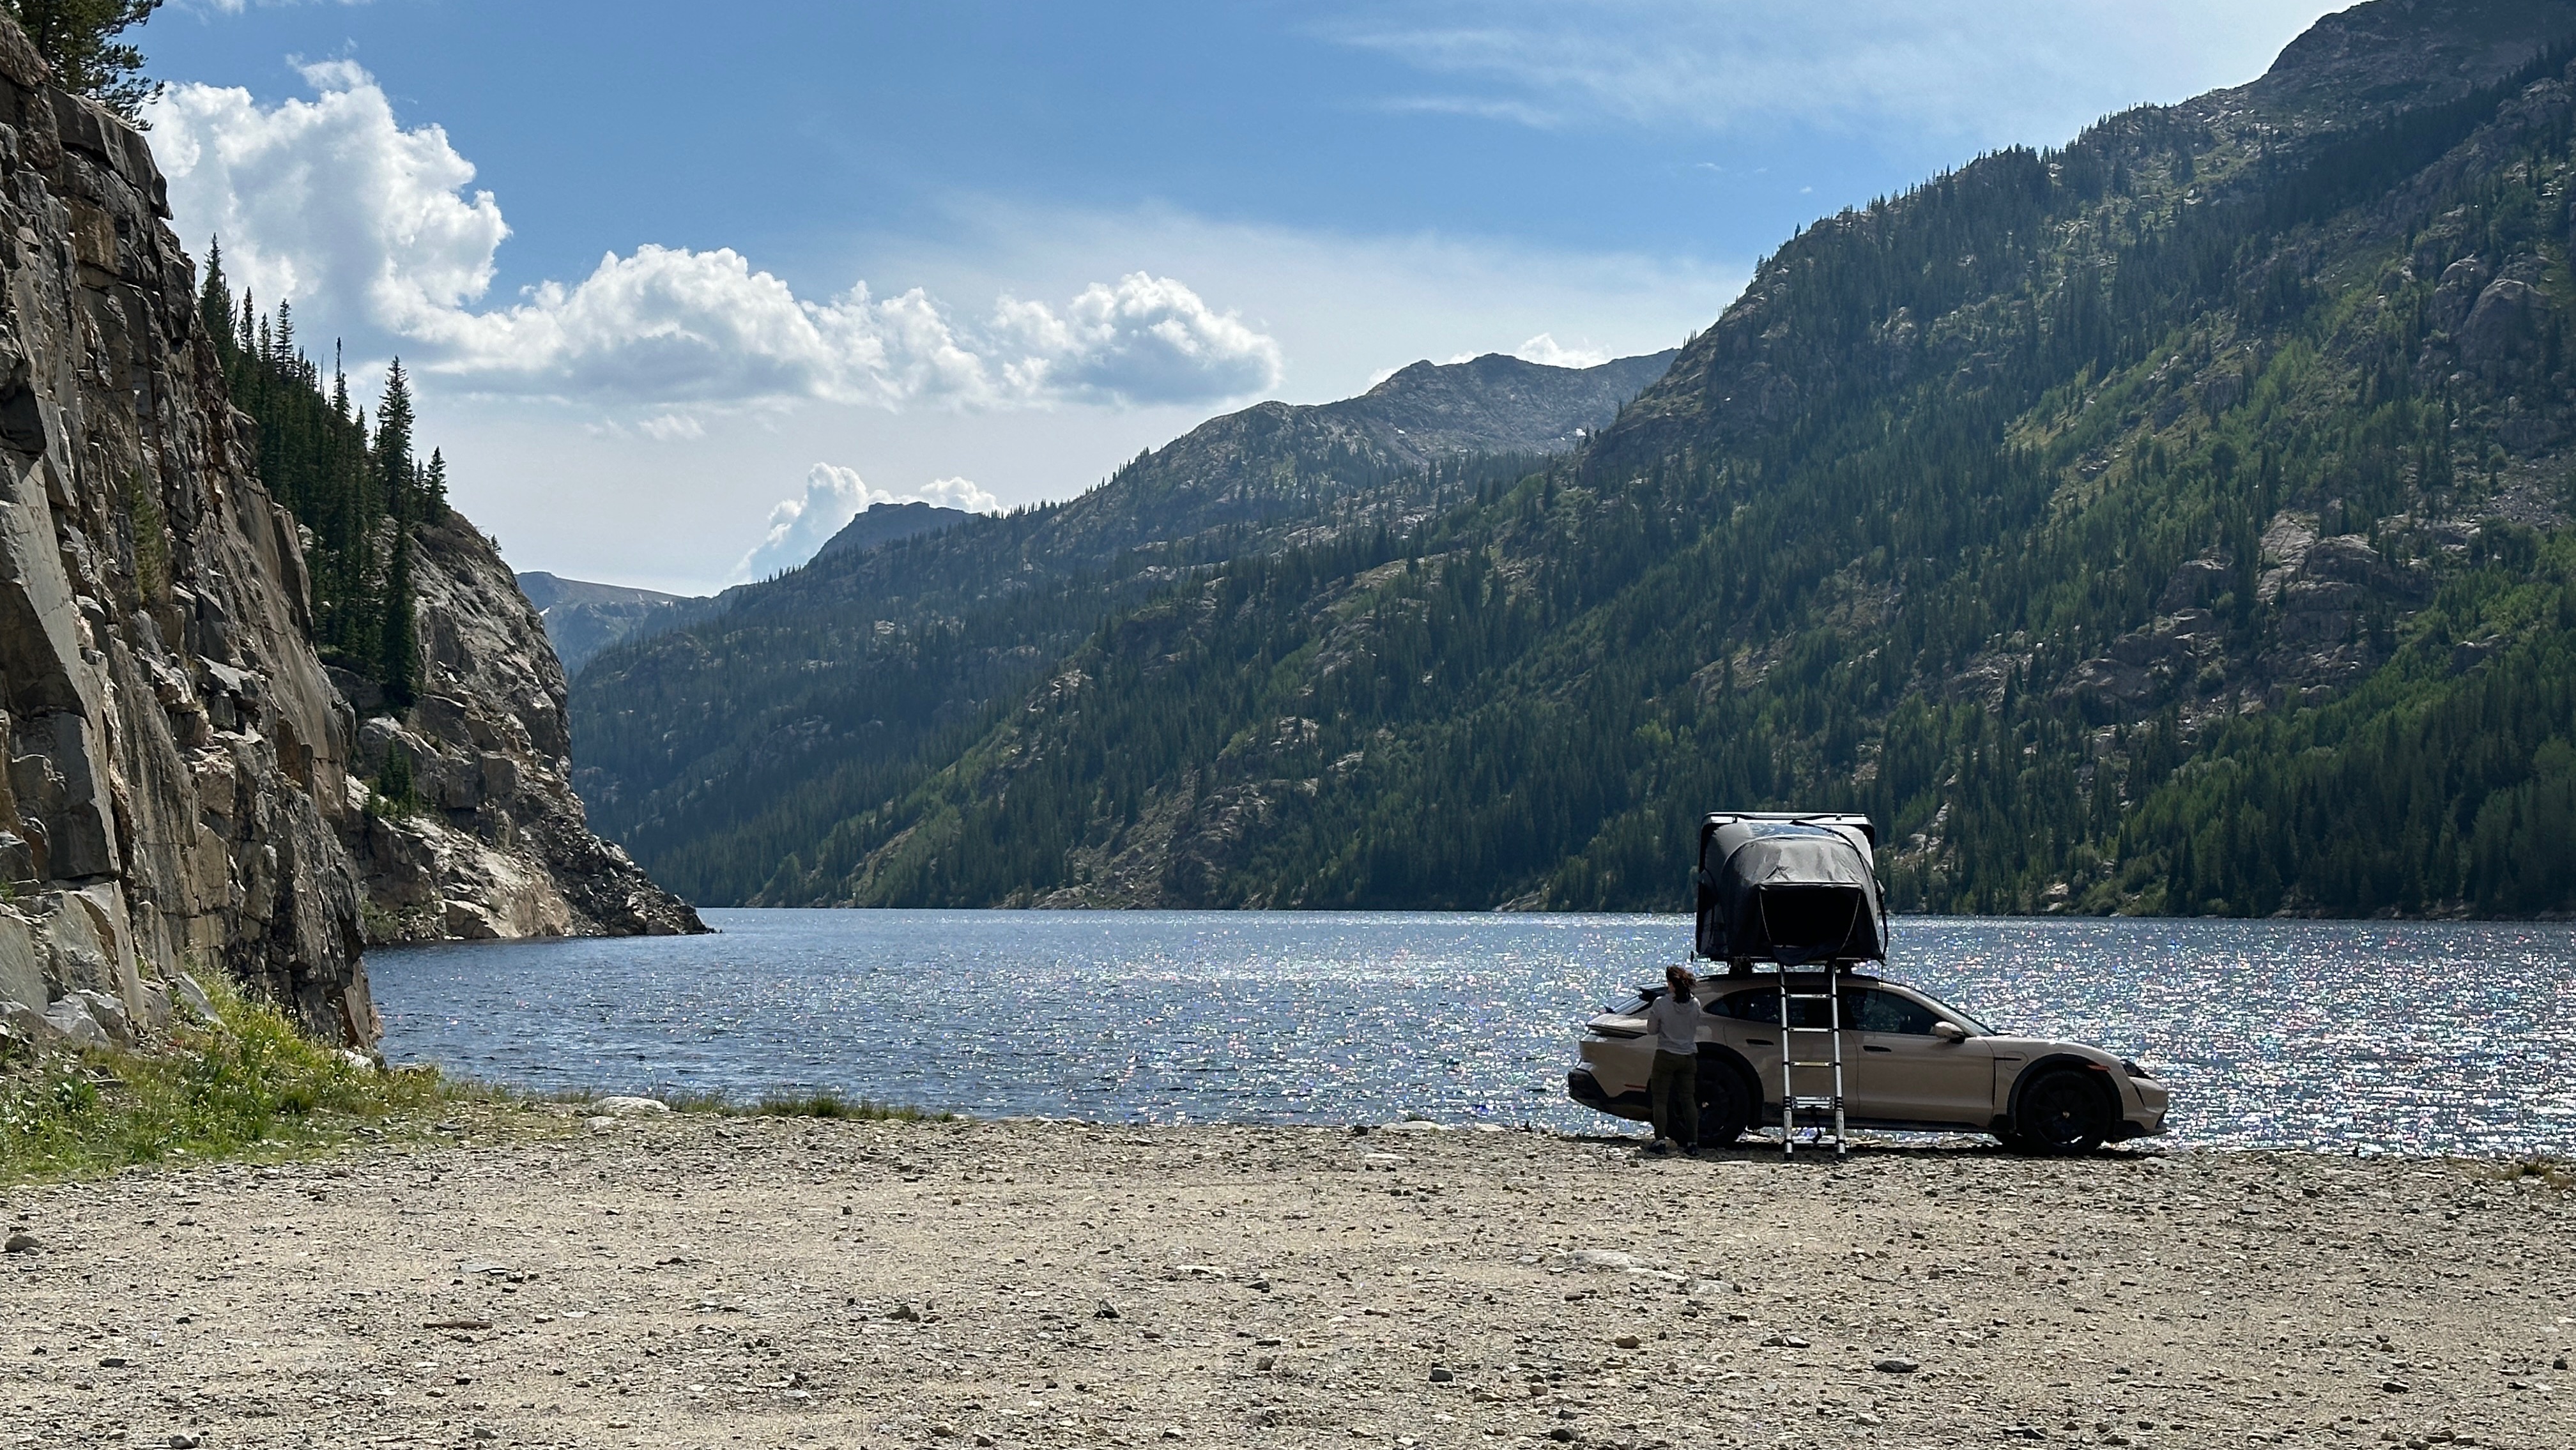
<point>1673,1089</point>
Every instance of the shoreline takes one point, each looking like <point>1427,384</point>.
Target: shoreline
<point>690,1279</point>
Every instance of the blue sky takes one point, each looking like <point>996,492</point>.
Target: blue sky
<point>621,243</point>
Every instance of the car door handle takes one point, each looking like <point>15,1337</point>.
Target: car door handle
<point>1759,1042</point>
<point>1865,1047</point>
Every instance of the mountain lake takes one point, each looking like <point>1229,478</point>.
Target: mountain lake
<point>2369,1037</point>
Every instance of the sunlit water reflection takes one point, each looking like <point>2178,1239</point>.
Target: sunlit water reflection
<point>2408,1038</point>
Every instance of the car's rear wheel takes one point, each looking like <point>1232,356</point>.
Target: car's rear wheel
<point>1724,1110</point>
<point>2062,1112</point>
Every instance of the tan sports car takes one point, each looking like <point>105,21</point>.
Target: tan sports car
<point>1910,1061</point>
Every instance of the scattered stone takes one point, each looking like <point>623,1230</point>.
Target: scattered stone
<point>1561,1435</point>
<point>906,1313</point>
<point>942,1430</point>
<point>1441,1375</point>
<point>25,1022</point>
<point>109,1012</point>
<point>2394,1387</point>
<point>1784,1341</point>
<point>1627,1341</point>
<point>1106,1310</point>
<point>193,997</point>
<point>1895,1366</point>
<point>21,1243</point>
<point>184,1440</point>
<point>632,1107</point>
<point>156,1005</point>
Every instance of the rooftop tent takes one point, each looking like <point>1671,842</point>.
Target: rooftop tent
<point>1789,889</point>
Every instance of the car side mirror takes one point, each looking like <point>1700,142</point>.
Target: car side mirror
<point>1949,1032</point>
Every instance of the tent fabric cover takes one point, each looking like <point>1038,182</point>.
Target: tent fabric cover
<point>1793,892</point>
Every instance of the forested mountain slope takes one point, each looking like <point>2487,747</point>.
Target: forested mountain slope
<point>717,751</point>
<point>2173,522</point>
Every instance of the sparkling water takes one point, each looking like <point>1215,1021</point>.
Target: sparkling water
<point>2369,1036</point>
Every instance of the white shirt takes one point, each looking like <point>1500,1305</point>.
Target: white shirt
<point>1675,1017</point>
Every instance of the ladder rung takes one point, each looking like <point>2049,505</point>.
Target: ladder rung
<point>1808,996</point>
<point>1814,1104</point>
<point>1827,1063</point>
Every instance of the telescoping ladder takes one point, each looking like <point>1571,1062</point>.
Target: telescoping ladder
<point>1793,1061</point>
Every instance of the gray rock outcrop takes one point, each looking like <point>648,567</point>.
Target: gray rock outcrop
<point>497,845</point>
<point>175,754</point>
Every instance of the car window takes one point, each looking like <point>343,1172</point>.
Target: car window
<point>1762,1004</point>
<point>1887,1012</point>
<point>1759,1005</point>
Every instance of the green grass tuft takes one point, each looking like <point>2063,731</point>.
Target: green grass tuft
<point>833,1105</point>
<point>249,1081</point>
<point>820,1104</point>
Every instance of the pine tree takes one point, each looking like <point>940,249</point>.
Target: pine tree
<point>398,479</point>
<point>434,503</point>
<point>78,40</point>
<point>215,305</point>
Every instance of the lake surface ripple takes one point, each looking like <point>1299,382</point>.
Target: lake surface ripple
<point>2371,1036</point>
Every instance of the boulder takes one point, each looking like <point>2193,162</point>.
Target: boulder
<point>2501,322</point>
<point>70,1020</point>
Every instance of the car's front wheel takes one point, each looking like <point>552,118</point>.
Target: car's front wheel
<point>1724,1110</point>
<point>2061,1113</point>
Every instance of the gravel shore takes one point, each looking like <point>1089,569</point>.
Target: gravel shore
<point>703,1281</point>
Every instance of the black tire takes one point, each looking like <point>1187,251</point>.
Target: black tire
<point>2060,1113</point>
<point>1724,1111</point>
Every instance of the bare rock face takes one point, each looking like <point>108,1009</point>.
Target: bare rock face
<point>175,756</point>
<point>498,845</point>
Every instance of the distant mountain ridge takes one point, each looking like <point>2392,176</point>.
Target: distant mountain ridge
<point>783,707</point>
<point>2177,522</point>
<point>582,618</point>
<point>887,523</point>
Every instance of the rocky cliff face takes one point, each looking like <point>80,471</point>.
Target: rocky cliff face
<point>496,844</point>
<point>188,788</point>
<point>175,754</point>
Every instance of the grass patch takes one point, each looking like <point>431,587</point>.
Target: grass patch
<point>833,1105</point>
<point>247,1083</point>
<point>2559,1173</point>
<point>824,1104</point>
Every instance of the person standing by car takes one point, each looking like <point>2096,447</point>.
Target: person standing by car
<point>1672,1088</point>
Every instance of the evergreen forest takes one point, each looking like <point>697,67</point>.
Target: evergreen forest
<point>357,490</point>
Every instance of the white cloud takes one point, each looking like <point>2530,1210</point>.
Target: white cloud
<point>333,205</point>
<point>1993,70</point>
<point>952,493</point>
<point>328,203</point>
<point>833,496</point>
<point>1543,349</point>
<point>672,428</point>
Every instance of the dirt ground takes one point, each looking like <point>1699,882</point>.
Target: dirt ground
<point>703,1281</point>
